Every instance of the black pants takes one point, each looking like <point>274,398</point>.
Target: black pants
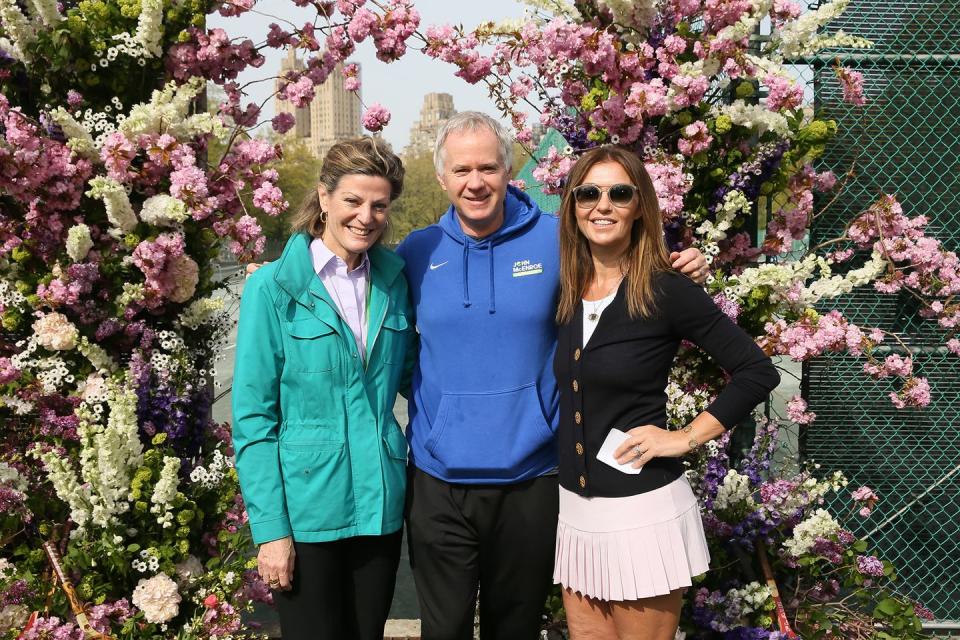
<point>498,537</point>
<point>341,589</point>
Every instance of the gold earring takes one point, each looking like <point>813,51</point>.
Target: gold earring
<point>323,217</point>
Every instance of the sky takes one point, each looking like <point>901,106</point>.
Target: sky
<point>399,86</point>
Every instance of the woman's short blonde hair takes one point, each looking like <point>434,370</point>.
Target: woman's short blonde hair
<point>364,156</point>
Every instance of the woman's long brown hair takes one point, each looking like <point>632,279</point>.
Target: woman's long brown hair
<point>646,254</point>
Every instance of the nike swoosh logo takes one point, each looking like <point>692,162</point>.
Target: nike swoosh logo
<point>437,266</point>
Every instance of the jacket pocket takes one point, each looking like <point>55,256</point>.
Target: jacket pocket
<point>394,338</point>
<point>494,434</point>
<point>316,481</point>
<point>315,346</point>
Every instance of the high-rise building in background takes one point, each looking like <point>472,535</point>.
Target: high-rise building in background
<point>333,114</point>
<point>436,110</point>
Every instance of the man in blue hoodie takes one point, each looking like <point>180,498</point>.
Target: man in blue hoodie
<point>482,498</point>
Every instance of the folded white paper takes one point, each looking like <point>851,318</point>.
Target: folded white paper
<point>605,455</point>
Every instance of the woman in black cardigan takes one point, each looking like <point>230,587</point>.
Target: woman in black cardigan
<point>630,537</point>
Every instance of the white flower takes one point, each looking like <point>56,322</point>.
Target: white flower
<point>165,491</point>
<point>734,491</point>
<point>189,569</point>
<point>55,331</point>
<point>754,116</point>
<point>635,14</point>
<point>166,111</point>
<point>163,210</point>
<point>149,33</point>
<point>97,355</point>
<point>819,525</point>
<point>79,242</point>
<point>78,136</point>
<point>12,478</point>
<point>13,617</point>
<point>200,312</point>
<point>115,200</point>
<point>6,567</point>
<point>158,598</point>
<point>47,11</point>
<point>798,38</point>
<point>18,27</point>
<point>109,456</point>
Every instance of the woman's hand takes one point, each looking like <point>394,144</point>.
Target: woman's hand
<point>275,563</point>
<point>648,442</point>
<point>691,262</point>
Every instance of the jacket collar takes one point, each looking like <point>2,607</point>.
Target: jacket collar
<point>295,274</point>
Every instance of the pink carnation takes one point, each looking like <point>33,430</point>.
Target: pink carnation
<point>283,122</point>
<point>376,117</point>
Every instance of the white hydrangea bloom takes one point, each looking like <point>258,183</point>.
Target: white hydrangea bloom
<point>157,597</point>
<point>131,293</point>
<point>163,210</point>
<point>79,139</point>
<point>818,525</point>
<point>79,242</point>
<point>115,200</point>
<point>733,492</point>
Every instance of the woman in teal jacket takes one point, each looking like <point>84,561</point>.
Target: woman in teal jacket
<point>325,342</point>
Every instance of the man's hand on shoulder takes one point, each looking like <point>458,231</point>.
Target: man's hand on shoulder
<point>253,266</point>
<point>690,262</point>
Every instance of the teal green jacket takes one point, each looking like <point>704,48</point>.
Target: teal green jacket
<point>319,453</point>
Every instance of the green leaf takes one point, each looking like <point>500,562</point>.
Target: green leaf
<point>887,607</point>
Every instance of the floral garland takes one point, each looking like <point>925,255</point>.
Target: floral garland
<point>113,209</point>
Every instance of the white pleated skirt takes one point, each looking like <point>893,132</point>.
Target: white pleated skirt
<point>632,547</point>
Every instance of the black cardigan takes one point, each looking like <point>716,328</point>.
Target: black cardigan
<point>619,379</point>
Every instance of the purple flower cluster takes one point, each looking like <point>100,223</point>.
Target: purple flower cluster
<point>750,175</point>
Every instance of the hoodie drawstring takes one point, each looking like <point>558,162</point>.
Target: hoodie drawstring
<point>466,274</point>
<point>493,297</point>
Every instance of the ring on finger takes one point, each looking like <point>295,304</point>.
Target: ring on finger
<point>637,450</point>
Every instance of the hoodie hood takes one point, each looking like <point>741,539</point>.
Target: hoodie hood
<point>519,212</point>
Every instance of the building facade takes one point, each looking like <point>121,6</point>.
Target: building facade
<point>333,114</point>
<point>436,110</point>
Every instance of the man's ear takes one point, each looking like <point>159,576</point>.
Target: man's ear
<point>440,180</point>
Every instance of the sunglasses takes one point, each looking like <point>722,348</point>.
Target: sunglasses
<point>588,195</point>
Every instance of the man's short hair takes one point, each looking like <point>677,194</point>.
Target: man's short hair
<point>473,121</point>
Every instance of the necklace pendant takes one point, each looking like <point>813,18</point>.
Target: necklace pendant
<point>592,317</point>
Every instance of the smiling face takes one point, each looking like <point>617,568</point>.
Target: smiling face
<point>475,179</point>
<point>607,226</point>
<point>357,212</point>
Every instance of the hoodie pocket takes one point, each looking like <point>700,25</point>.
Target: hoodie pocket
<point>494,434</point>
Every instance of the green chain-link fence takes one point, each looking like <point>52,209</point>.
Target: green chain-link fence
<point>906,141</point>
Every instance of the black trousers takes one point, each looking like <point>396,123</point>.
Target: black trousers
<point>499,538</point>
<point>341,589</point>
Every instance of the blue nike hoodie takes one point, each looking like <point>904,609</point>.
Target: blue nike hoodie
<point>484,405</point>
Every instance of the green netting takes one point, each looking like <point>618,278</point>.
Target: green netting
<point>906,141</point>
